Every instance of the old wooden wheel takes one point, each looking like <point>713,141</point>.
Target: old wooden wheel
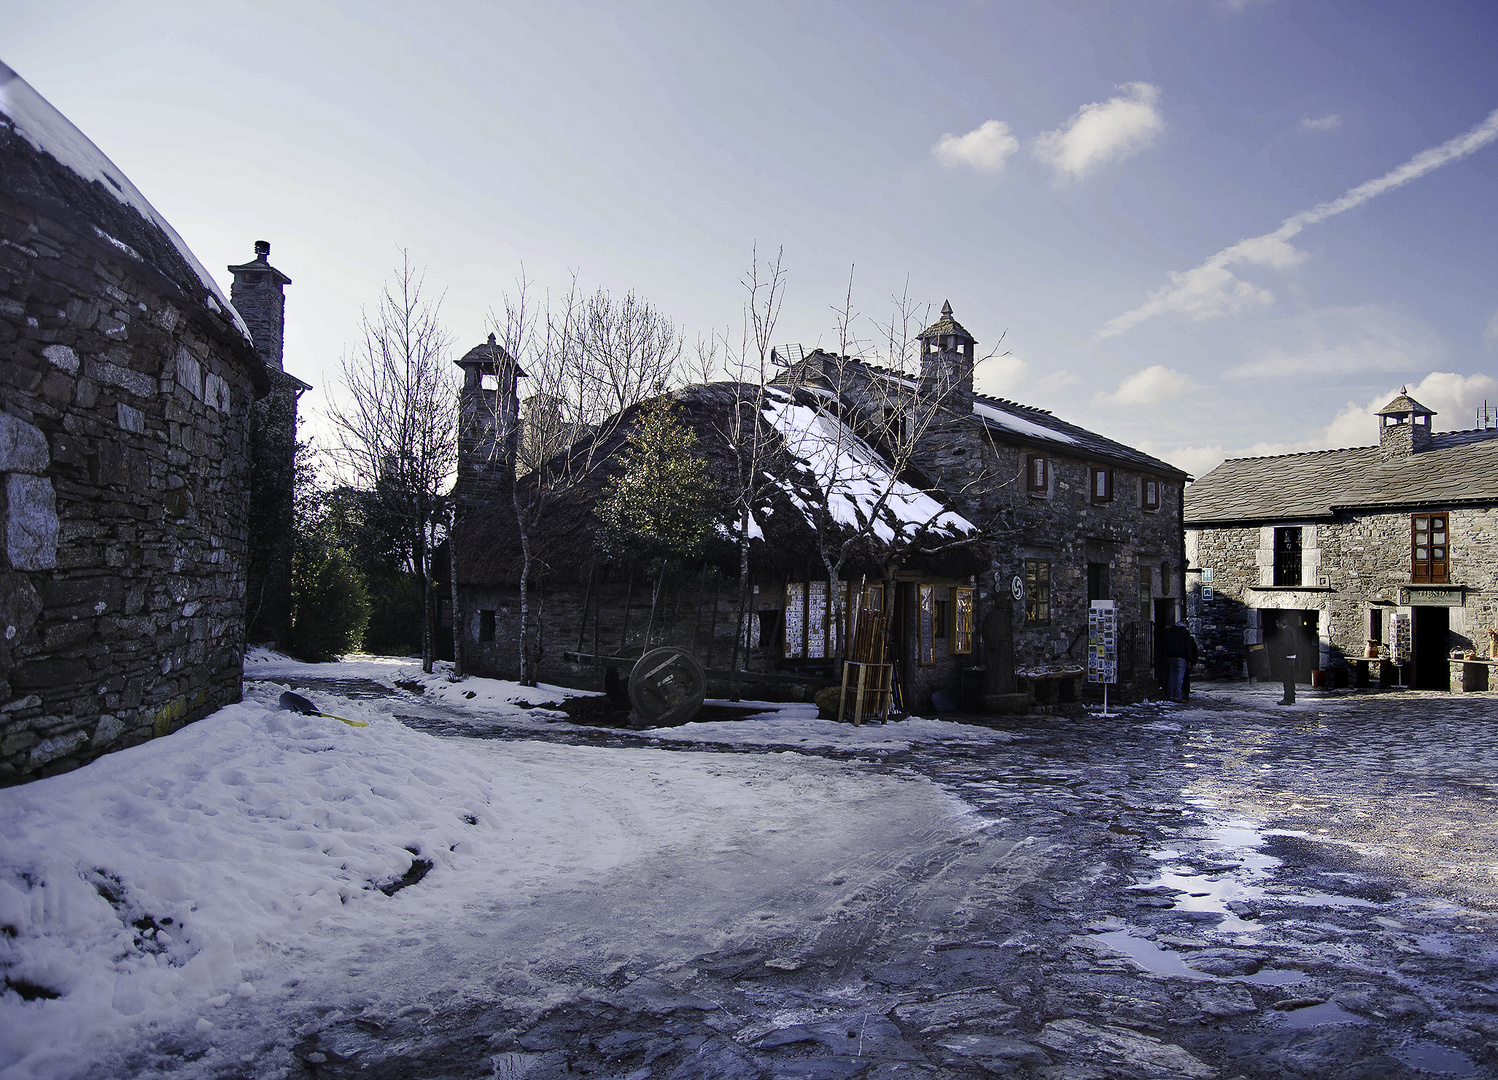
<point>666,687</point>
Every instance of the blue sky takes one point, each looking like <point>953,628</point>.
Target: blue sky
<point>1052,169</point>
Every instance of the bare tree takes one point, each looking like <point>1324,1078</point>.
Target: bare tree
<point>587,361</point>
<point>396,426</point>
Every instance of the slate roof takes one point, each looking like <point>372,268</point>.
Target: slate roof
<point>1081,442</point>
<point>1459,468</point>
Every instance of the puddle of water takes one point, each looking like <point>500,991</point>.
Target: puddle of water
<point>1274,977</point>
<point>1150,956</point>
<point>1435,1058</point>
<point>1328,1012</point>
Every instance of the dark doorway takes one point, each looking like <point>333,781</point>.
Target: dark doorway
<point>998,645</point>
<point>1291,631</point>
<point>1431,628</point>
<point>1165,617</point>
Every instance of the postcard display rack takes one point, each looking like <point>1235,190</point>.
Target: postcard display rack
<point>1102,645</point>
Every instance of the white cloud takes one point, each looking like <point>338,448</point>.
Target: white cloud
<point>1150,386</point>
<point>986,148</point>
<point>1195,460</point>
<point>1490,332</point>
<point>1103,131</point>
<point>1212,289</point>
<point>1001,375</point>
<point>1455,399</point>
<point>1329,122</point>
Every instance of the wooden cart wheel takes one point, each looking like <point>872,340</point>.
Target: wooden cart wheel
<point>666,687</point>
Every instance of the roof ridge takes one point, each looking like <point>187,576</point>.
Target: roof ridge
<point>990,398</point>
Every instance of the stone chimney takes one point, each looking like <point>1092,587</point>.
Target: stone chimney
<point>488,415</point>
<point>947,363</point>
<point>257,295</point>
<point>1404,426</point>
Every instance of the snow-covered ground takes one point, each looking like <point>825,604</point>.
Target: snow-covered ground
<point>238,868</point>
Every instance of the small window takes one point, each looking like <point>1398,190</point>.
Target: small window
<point>941,622</point>
<point>1102,484</point>
<point>1287,552</point>
<point>1037,592</point>
<point>769,625</point>
<point>1376,625</point>
<point>1038,473</point>
<point>926,616</point>
<point>962,620</point>
<point>1165,579</point>
<point>1151,493</point>
<point>489,381</point>
<point>486,626</point>
<point>1099,585</point>
<point>1429,550</point>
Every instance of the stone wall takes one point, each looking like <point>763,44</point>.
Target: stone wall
<point>1364,561</point>
<point>123,449</point>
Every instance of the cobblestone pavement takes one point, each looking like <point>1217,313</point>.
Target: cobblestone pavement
<point>1222,889</point>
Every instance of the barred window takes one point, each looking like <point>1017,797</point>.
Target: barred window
<point>1038,472</point>
<point>1287,556</point>
<point>1151,493</point>
<point>926,614</point>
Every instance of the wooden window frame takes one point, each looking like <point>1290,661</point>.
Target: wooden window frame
<point>1038,474</point>
<point>1037,575</point>
<point>1431,570</point>
<point>925,625</point>
<point>964,605</point>
<point>1283,570</point>
<point>1106,474</point>
<point>1145,483</point>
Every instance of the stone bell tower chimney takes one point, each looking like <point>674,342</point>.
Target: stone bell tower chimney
<point>1404,426</point>
<point>258,294</point>
<point>947,363</point>
<point>488,418</point>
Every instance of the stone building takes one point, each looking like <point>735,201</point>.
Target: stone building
<point>1394,545</point>
<point>124,449</point>
<point>1062,517</point>
<point>258,294</point>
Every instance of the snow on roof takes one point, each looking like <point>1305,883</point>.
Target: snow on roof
<point>1019,425</point>
<point>851,477</point>
<point>35,119</point>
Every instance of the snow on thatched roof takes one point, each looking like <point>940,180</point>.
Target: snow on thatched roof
<point>849,476</point>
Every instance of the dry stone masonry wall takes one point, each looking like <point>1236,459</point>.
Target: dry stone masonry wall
<point>123,454</point>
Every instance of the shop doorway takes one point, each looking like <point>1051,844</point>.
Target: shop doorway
<point>1431,627</point>
<point>1295,632</point>
<point>1165,617</point>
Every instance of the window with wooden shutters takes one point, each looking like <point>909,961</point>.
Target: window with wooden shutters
<point>1429,549</point>
<point>962,620</point>
<point>926,616</point>
<point>1038,471</point>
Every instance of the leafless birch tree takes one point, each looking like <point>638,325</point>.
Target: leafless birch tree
<point>396,424</point>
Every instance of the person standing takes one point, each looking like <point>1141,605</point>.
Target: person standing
<point>1287,668</point>
<point>1180,654</point>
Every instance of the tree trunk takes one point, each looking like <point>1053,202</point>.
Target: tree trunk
<point>739,630</point>
<point>655,602</point>
<point>452,573</point>
<point>424,575</point>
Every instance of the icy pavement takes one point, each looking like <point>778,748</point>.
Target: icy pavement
<point>1219,890</point>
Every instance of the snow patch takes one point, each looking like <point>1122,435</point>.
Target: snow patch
<point>1019,424</point>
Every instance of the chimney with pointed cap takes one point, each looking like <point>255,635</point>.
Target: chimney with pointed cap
<point>1404,426</point>
<point>258,297</point>
<point>947,362</point>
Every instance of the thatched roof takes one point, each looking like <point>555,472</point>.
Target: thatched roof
<point>784,537</point>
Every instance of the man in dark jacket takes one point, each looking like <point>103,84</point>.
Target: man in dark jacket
<point>1180,655</point>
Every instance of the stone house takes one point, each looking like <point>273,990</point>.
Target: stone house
<point>124,449</point>
<point>1062,517</point>
<point>1394,545</point>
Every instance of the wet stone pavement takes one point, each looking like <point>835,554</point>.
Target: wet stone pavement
<point>1222,889</point>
